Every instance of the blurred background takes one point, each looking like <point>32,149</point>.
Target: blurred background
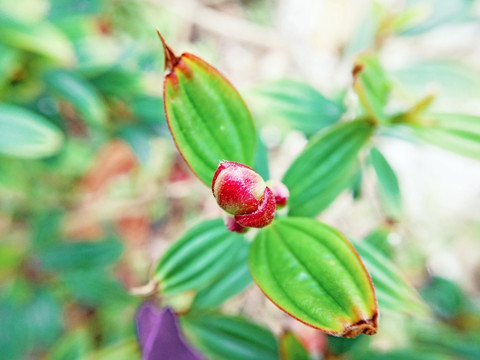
<point>84,218</point>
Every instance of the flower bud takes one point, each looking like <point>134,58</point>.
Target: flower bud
<point>240,191</point>
<point>237,188</point>
<point>262,216</point>
<point>280,192</point>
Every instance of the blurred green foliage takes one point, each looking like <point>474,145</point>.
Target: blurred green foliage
<point>81,109</point>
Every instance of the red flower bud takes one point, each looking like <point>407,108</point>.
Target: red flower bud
<point>280,192</point>
<point>264,214</point>
<point>240,191</point>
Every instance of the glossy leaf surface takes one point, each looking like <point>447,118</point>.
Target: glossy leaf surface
<point>389,190</point>
<point>394,292</point>
<point>198,257</point>
<point>207,117</point>
<point>291,348</point>
<point>459,133</point>
<point>371,86</point>
<point>229,338</point>
<point>26,134</point>
<point>233,280</point>
<point>310,271</point>
<point>325,168</point>
<point>81,94</point>
<point>295,104</point>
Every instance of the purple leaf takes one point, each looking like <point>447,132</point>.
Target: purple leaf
<point>160,336</point>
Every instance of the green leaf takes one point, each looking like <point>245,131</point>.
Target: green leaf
<point>73,346</point>
<point>459,133</point>
<point>41,38</point>
<point>125,349</point>
<point>72,8</point>
<point>148,109</point>
<point>291,348</point>
<point>46,228</point>
<point>34,322</point>
<point>229,338</point>
<point>310,271</point>
<point>114,81</point>
<point>295,104</point>
<point>207,117</point>
<point>434,15</point>
<point>394,292</point>
<point>26,134</point>
<point>81,94</point>
<point>438,337</point>
<point>94,287</point>
<point>453,82</point>
<point>371,86</point>
<point>388,187</point>
<point>445,297</point>
<point>198,257</point>
<point>325,168</point>
<point>233,280</point>
<point>11,257</point>
<point>80,255</point>
<point>378,238</point>
<point>352,347</point>
<point>402,354</point>
<point>9,61</point>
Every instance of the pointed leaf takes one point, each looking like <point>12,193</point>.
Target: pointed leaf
<point>198,257</point>
<point>295,104</point>
<point>81,94</point>
<point>394,292</point>
<point>310,271</point>
<point>291,348</point>
<point>208,119</point>
<point>325,168</point>
<point>26,134</point>
<point>459,133</point>
<point>232,281</point>
<point>230,338</point>
<point>371,85</point>
<point>387,183</point>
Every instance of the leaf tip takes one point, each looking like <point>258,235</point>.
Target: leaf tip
<point>368,327</point>
<point>357,68</point>
<point>170,58</point>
